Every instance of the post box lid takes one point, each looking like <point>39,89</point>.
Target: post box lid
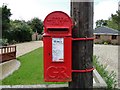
<point>57,19</point>
<point>57,22</point>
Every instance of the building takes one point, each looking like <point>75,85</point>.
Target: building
<point>106,34</point>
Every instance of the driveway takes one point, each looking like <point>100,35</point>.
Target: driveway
<point>108,55</point>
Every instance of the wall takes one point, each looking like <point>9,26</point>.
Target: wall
<point>37,36</point>
<point>107,38</point>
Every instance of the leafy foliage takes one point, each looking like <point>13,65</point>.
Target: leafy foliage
<point>112,22</point>
<point>100,23</point>
<point>110,78</point>
<point>36,25</point>
<point>3,42</point>
<point>116,18</point>
<point>5,20</point>
<point>19,31</point>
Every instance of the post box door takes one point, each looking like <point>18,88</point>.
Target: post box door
<point>57,59</point>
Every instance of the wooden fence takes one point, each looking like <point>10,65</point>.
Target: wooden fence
<point>7,53</point>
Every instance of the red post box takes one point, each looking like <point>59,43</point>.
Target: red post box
<point>57,47</point>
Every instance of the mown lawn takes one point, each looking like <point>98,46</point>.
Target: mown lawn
<point>30,71</point>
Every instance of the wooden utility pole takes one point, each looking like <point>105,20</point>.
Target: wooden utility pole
<point>82,51</point>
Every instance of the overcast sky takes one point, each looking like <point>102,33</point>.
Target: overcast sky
<point>27,9</point>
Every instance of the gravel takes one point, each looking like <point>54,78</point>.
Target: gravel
<point>108,55</point>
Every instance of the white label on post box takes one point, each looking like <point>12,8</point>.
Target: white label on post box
<point>57,49</point>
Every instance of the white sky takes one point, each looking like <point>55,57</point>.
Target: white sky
<point>27,9</point>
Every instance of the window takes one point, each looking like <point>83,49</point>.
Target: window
<point>97,36</point>
<point>114,36</point>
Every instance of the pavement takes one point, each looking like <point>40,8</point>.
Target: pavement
<point>7,68</point>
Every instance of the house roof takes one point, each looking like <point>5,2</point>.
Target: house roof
<point>106,30</point>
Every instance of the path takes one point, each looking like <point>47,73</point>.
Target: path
<point>24,48</point>
<point>108,55</point>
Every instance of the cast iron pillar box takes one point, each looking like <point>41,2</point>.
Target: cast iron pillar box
<point>57,47</point>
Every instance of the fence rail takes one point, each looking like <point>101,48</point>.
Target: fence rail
<point>7,53</point>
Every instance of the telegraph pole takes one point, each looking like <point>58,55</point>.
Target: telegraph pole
<point>82,50</point>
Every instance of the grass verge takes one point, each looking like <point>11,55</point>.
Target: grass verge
<point>30,71</point>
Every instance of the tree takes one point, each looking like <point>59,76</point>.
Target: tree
<point>36,25</point>
<point>116,18</point>
<point>19,31</point>
<point>112,24</point>
<point>5,20</point>
<point>100,23</point>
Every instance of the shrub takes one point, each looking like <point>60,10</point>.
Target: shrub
<point>3,42</point>
<point>97,43</point>
<point>110,78</point>
<point>19,32</point>
<point>105,43</point>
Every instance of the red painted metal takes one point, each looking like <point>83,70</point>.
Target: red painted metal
<point>57,25</point>
<point>83,39</point>
<point>83,71</point>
